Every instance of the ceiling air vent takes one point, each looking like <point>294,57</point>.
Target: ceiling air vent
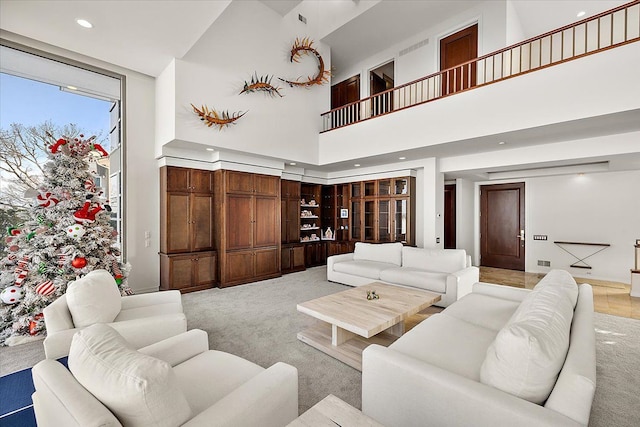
<point>302,19</point>
<point>414,47</point>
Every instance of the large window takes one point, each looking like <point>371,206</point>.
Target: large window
<point>39,94</point>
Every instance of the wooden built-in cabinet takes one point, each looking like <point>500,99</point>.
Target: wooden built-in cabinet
<point>248,231</point>
<point>292,251</point>
<point>186,228</point>
<point>383,210</point>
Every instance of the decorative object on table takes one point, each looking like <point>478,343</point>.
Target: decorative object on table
<point>344,213</point>
<point>261,84</point>
<point>301,47</point>
<point>51,248</point>
<point>371,295</point>
<point>219,119</point>
<point>328,234</point>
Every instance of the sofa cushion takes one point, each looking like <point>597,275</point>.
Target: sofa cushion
<point>381,252</point>
<point>483,310</point>
<point>94,298</point>
<point>417,278</point>
<point>148,311</point>
<point>448,343</point>
<point>529,352</point>
<point>369,269</point>
<point>442,260</point>
<point>140,390</point>
<point>225,370</point>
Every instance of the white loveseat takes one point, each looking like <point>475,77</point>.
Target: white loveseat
<point>499,356</point>
<point>177,381</point>
<point>444,271</point>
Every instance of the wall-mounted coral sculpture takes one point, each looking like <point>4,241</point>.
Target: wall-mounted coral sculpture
<point>301,47</point>
<point>214,118</point>
<point>261,84</point>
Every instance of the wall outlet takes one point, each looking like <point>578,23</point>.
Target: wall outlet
<point>437,240</point>
<point>539,237</point>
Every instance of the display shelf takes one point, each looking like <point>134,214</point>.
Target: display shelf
<point>309,206</point>
<point>309,216</point>
<point>309,228</point>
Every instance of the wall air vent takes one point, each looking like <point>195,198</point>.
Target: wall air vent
<point>302,19</point>
<point>551,170</point>
<point>414,47</point>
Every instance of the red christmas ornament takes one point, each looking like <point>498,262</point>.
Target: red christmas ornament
<point>79,262</point>
<point>33,325</point>
<point>45,288</point>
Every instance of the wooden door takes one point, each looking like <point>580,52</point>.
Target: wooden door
<point>345,92</point>
<point>266,222</point>
<point>205,268</point>
<point>240,266</point>
<point>239,221</point>
<point>293,220</point>
<point>457,49</point>
<point>502,227</point>
<point>450,216</point>
<point>201,222</point>
<point>266,262</point>
<point>177,271</point>
<point>178,230</point>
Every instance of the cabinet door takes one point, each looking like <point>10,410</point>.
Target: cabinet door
<point>266,222</point>
<point>266,185</point>
<point>370,189</point>
<point>400,220</point>
<point>201,222</point>
<point>298,257</point>
<point>293,221</point>
<point>239,223</point>
<point>356,220</point>
<point>239,182</point>
<point>201,181</point>
<point>240,266</point>
<point>177,179</point>
<point>286,259</point>
<point>205,269</point>
<point>267,262</point>
<point>180,271</point>
<point>178,237</point>
<point>370,220</point>
<point>384,220</point>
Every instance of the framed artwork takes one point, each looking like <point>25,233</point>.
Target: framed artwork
<point>344,213</point>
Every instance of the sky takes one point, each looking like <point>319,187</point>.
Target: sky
<point>30,102</point>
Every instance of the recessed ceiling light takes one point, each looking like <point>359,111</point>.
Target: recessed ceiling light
<point>292,163</point>
<point>402,158</point>
<point>581,14</point>
<point>211,149</point>
<point>501,143</point>
<point>357,165</point>
<point>84,23</point>
<point>72,88</point>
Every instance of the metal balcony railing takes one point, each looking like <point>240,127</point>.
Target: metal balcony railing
<point>604,31</point>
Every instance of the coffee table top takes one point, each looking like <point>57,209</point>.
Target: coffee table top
<point>351,310</point>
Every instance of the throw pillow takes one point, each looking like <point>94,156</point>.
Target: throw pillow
<point>94,298</point>
<point>139,390</point>
<point>390,253</point>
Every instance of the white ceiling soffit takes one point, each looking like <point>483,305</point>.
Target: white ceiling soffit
<point>140,35</point>
<point>29,66</point>
<point>282,7</point>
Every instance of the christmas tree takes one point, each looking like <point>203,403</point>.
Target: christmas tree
<point>66,236</point>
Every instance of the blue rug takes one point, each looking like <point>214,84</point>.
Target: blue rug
<point>16,407</point>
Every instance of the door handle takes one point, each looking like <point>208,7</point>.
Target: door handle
<point>521,235</point>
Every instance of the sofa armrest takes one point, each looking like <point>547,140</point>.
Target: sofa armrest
<point>501,291</point>
<point>270,399</point>
<point>338,258</point>
<point>179,348</point>
<point>459,284</point>
<point>152,298</point>
<point>148,330</point>
<point>60,400</point>
<point>57,344</point>
<point>398,390</point>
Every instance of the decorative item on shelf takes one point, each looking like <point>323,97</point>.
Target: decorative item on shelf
<point>328,234</point>
<point>314,236</point>
<point>261,84</point>
<point>371,295</point>
<point>303,202</point>
<point>344,213</point>
<point>306,213</point>
<point>306,226</point>
<point>301,47</point>
<point>218,119</point>
<point>304,239</point>
<point>312,202</point>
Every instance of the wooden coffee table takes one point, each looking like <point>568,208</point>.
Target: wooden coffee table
<point>351,322</point>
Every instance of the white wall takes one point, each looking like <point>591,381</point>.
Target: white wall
<point>598,208</point>
<point>141,198</point>
<point>248,38</point>
<point>514,30</point>
<point>465,214</point>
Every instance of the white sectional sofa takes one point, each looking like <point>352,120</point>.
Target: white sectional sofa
<point>499,356</point>
<point>444,271</point>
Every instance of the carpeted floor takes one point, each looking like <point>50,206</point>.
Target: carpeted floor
<point>259,322</point>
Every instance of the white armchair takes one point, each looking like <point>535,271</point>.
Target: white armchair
<point>177,381</point>
<point>141,319</point>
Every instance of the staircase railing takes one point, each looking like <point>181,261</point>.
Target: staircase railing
<point>613,28</point>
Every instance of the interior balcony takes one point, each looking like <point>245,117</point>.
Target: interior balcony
<point>575,82</point>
